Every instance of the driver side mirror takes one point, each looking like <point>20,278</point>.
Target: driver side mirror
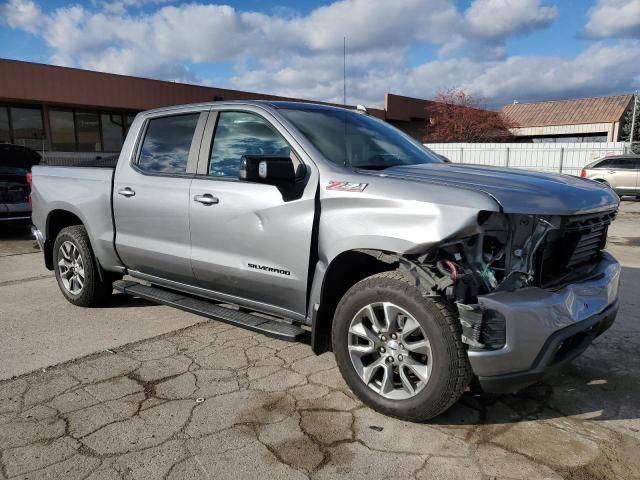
<point>272,170</point>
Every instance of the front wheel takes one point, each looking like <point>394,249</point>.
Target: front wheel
<point>398,350</point>
<point>76,268</point>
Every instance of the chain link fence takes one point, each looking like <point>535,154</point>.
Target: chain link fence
<point>68,159</point>
<point>568,158</point>
<point>79,159</point>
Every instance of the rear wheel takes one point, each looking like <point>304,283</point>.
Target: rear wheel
<point>398,350</point>
<point>76,268</point>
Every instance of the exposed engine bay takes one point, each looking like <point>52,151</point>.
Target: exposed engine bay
<point>510,252</point>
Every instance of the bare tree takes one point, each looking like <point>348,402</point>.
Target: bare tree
<point>456,116</point>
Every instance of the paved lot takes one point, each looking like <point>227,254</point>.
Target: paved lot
<point>213,401</point>
<point>40,328</point>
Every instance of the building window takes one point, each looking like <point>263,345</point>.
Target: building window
<point>593,137</point>
<point>63,131</point>
<point>112,133</point>
<point>27,126</point>
<point>88,132</point>
<point>5,133</point>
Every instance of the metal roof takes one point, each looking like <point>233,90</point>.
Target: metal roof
<point>568,112</point>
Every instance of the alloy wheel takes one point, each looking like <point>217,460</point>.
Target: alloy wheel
<point>71,268</point>
<point>390,351</point>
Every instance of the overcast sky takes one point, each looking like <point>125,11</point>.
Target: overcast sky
<point>502,50</point>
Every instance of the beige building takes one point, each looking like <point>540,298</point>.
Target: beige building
<point>594,119</point>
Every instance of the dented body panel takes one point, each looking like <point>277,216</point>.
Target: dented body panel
<point>517,191</point>
<point>534,314</point>
<point>397,216</point>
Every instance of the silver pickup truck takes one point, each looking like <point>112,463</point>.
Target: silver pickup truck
<point>314,223</point>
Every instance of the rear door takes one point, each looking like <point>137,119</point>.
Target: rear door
<point>151,196</point>
<point>248,243</point>
<point>621,174</point>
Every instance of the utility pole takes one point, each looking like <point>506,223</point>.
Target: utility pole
<point>633,117</point>
<point>344,71</point>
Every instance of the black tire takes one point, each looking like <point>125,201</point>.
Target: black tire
<point>438,319</point>
<point>94,292</point>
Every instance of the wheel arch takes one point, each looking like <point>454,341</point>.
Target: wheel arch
<point>344,271</point>
<point>57,220</point>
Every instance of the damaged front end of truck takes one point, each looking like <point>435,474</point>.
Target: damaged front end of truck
<point>531,291</point>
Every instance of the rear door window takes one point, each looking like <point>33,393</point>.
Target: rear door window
<point>166,144</point>
<point>622,164</point>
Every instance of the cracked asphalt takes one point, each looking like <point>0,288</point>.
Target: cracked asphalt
<point>215,401</point>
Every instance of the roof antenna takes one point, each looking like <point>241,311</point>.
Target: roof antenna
<point>344,72</point>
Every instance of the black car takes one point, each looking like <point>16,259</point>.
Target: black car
<point>15,179</point>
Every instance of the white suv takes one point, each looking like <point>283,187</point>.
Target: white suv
<point>620,172</point>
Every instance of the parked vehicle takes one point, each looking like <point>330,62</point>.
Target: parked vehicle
<point>620,172</point>
<point>15,177</point>
<point>333,225</point>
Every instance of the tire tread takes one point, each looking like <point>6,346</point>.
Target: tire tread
<point>95,292</point>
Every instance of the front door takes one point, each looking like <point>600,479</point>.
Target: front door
<point>151,198</point>
<point>247,242</point>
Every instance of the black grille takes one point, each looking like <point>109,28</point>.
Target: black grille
<point>574,248</point>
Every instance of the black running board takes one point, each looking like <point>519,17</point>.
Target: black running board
<point>199,306</point>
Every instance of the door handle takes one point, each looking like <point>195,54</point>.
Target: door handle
<point>126,192</point>
<point>206,199</point>
<point>611,171</point>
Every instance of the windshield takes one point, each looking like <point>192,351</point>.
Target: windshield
<point>356,140</point>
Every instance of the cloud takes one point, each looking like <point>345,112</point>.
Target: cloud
<point>301,55</point>
<point>600,70</point>
<point>112,36</point>
<point>613,18</point>
<point>22,14</point>
<point>496,19</point>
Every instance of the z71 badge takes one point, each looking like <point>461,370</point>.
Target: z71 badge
<point>346,186</point>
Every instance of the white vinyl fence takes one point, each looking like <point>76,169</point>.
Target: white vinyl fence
<point>566,158</point>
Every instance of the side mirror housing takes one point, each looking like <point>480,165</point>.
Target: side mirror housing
<point>287,175</point>
<point>269,169</point>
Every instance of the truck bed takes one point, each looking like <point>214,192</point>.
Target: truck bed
<point>86,192</point>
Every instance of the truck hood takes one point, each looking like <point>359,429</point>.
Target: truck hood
<point>517,191</point>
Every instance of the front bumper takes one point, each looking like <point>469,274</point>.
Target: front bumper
<point>546,329</point>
